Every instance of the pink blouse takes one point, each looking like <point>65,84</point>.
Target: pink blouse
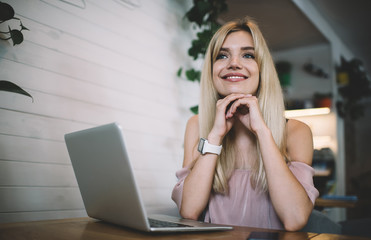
<point>244,206</point>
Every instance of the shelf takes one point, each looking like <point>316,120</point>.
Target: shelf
<point>307,112</point>
<point>322,172</point>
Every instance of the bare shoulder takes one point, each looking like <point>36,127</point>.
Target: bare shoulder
<point>192,130</point>
<point>193,121</point>
<point>299,141</point>
<point>191,138</point>
<point>295,127</point>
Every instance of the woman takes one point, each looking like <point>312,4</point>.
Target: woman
<point>251,166</point>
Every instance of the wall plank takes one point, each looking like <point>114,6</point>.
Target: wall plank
<point>60,85</point>
<point>24,199</point>
<point>17,148</point>
<point>36,216</point>
<point>26,174</point>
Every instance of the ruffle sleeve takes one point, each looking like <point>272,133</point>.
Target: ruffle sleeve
<point>304,173</point>
<point>178,188</point>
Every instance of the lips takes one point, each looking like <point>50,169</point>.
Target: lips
<point>234,77</point>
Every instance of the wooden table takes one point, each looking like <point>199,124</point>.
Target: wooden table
<point>321,202</point>
<point>87,228</point>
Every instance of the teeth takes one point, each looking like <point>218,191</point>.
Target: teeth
<point>235,77</point>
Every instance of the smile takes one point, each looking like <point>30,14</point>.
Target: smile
<point>234,78</point>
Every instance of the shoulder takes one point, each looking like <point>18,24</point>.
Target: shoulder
<point>192,128</point>
<point>296,127</point>
<point>299,141</point>
<point>193,121</point>
<point>191,139</point>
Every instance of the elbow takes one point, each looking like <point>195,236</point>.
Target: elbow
<point>296,220</point>
<point>293,227</point>
<point>295,224</point>
<point>187,214</point>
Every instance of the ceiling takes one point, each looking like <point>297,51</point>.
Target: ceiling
<point>284,25</point>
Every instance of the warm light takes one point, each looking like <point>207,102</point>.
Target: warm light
<point>306,112</point>
<point>322,142</point>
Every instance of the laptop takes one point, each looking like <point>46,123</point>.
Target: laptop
<point>108,187</point>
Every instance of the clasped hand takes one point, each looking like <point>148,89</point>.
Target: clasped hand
<point>237,107</point>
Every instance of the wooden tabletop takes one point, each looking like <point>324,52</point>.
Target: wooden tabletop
<point>321,202</point>
<point>87,228</point>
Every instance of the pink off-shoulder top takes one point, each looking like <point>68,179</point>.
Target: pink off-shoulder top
<point>245,206</point>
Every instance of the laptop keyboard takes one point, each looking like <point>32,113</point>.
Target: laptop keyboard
<point>158,223</point>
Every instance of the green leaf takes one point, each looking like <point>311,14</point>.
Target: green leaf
<point>193,75</point>
<point>198,12</point>
<point>16,35</point>
<point>198,48</point>
<point>23,27</point>
<point>179,72</point>
<point>11,87</point>
<point>194,109</point>
<point>6,12</point>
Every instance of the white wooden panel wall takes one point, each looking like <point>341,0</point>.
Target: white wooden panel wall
<point>88,63</point>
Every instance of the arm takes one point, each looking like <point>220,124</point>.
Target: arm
<point>198,184</point>
<point>288,196</point>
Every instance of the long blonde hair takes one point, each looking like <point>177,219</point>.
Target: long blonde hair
<point>269,95</point>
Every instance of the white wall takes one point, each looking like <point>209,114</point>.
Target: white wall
<point>88,63</point>
<point>304,85</point>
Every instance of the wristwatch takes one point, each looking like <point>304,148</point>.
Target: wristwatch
<point>205,147</point>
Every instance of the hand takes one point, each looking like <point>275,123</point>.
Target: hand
<point>247,110</point>
<point>222,124</point>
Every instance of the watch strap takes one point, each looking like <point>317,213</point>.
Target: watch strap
<point>206,147</point>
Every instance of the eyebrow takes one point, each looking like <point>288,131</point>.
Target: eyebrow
<point>243,48</point>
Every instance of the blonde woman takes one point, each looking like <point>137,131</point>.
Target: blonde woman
<point>251,167</point>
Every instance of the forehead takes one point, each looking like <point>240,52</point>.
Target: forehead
<point>238,39</point>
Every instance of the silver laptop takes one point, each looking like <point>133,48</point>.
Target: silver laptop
<point>107,183</point>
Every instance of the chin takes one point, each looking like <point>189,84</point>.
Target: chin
<point>226,93</point>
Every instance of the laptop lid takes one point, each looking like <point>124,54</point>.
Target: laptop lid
<point>105,177</point>
<point>107,182</point>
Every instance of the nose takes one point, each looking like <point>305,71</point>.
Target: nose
<point>234,63</point>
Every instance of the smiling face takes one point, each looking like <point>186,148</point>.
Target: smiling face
<point>235,69</point>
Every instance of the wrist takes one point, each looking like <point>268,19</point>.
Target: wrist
<point>205,147</point>
<point>263,133</point>
<point>214,139</point>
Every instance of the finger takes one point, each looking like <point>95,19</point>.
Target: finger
<point>240,105</point>
<point>226,102</point>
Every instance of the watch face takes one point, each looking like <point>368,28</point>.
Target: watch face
<point>201,145</point>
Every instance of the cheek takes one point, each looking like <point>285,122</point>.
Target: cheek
<point>253,67</point>
<point>216,69</point>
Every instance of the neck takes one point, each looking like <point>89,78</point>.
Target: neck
<point>246,146</point>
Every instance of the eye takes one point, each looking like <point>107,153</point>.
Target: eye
<point>221,56</point>
<point>249,55</point>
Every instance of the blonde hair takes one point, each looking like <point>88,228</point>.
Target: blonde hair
<point>269,95</point>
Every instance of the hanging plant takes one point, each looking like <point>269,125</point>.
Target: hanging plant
<point>353,86</point>
<point>7,14</point>
<point>204,14</point>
